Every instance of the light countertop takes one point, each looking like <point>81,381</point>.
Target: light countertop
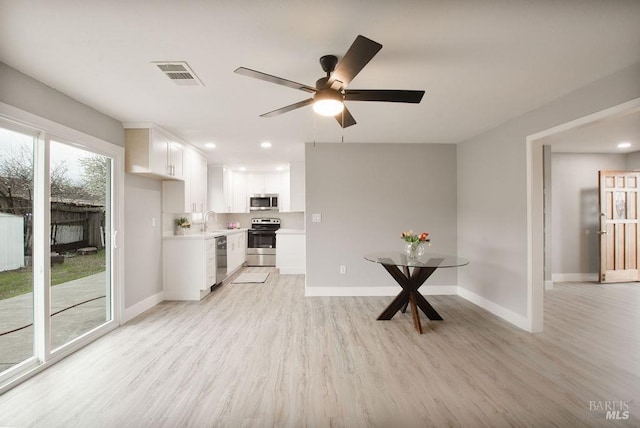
<point>291,232</point>
<point>205,235</point>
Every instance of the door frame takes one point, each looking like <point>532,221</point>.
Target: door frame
<point>49,130</point>
<point>535,206</point>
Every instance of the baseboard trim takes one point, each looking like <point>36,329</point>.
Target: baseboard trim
<point>494,308</point>
<point>548,285</point>
<point>376,291</point>
<point>574,277</point>
<point>133,311</point>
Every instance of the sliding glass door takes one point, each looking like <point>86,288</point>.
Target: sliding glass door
<point>16,248</point>
<point>59,262</point>
<point>80,230</point>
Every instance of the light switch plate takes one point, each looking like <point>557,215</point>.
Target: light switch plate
<point>316,218</point>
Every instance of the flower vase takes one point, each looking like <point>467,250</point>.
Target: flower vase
<point>179,231</point>
<point>414,250</point>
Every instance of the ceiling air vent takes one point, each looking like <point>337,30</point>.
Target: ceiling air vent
<point>179,72</point>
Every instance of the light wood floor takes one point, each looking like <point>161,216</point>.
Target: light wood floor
<point>255,355</point>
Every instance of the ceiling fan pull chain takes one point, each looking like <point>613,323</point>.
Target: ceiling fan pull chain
<point>314,131</point>
<point>343,126</point>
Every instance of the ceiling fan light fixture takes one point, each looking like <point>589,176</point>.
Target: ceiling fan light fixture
<point>328,102</point>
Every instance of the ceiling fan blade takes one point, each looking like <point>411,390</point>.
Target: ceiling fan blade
<point>288,108</point>
<point>274,79</point>
<point>358,55</point>
<point>348,119</point>
<point>388,95</point>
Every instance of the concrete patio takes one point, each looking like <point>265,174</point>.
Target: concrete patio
<point>17,312</point>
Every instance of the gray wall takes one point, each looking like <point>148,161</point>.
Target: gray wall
<point>141,195</point>
<point>143,241</point>
<point>367,195</point>
<point>492,205</point>
<point>633,161</point>
<point>575,220</point>
<point>21,91</point>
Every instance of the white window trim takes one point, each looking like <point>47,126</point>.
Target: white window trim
<point>46,130</point>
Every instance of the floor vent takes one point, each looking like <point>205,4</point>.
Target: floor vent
<point>179,72</point>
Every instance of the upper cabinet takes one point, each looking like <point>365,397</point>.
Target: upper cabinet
<point>220,189</point>
<point>297,186</point>
<point>189,195</point>
<point>153,153</point>
<point>229,191</point>
<point>239,194</point>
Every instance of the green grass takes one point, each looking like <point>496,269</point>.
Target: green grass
<point>16,282</point>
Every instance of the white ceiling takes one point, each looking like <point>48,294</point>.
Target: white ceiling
<point>481,63</point>
<point>602,136</point>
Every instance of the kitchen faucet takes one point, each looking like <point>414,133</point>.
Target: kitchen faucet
<point>205,219</point>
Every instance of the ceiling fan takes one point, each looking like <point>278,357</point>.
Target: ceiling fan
<point>331,92</point>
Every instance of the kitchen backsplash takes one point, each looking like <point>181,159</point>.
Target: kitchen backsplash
<point>220,221</point>
<point>288,220</point>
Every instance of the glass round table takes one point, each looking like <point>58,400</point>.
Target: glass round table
<point>411,280</point>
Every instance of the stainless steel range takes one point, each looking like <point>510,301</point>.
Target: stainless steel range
<point>261,245</point>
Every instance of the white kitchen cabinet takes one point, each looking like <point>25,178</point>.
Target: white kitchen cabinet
<point>297,186</point>
<point>255,183</point>
<point>236,251</point>
<point>189,195</point>
<point>284,201</point>
<point>229,191</point>
<point>272,182</point>
<point>188,267</point>
<point>239,193</point>
<point>220,188</point>
<point>153,153</point>
<point>290,256</point>
<point>197,199</point>
<point>175,158</point>
<point>264,182</point>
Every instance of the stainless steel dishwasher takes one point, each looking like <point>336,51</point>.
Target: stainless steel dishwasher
<point>221,258</point>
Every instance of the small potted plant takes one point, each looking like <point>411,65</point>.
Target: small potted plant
<point>182,223</point>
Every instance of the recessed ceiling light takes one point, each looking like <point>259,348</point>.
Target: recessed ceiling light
<point>210,145</point>
<point>265,145</point>
<point>279,168</point>
<point>624,145</point>
<point>242,168</point>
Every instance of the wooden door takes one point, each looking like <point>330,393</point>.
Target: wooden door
<point>619,231</point>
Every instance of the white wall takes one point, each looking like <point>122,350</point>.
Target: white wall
<point>575,220</point>
<point>492,194</point>
<point>367,195</point>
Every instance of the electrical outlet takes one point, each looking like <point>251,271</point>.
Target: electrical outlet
<point>343,270</point>
<point>316,218</point>
<point>153,222</point>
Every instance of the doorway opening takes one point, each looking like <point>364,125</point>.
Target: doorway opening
<point>535,201</point>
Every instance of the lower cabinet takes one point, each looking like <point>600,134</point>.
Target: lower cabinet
<point>188,267</point>
<point>290,256</point>
<point>236,251</point>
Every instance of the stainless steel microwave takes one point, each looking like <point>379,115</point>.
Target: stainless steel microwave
<point>263,202</point>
